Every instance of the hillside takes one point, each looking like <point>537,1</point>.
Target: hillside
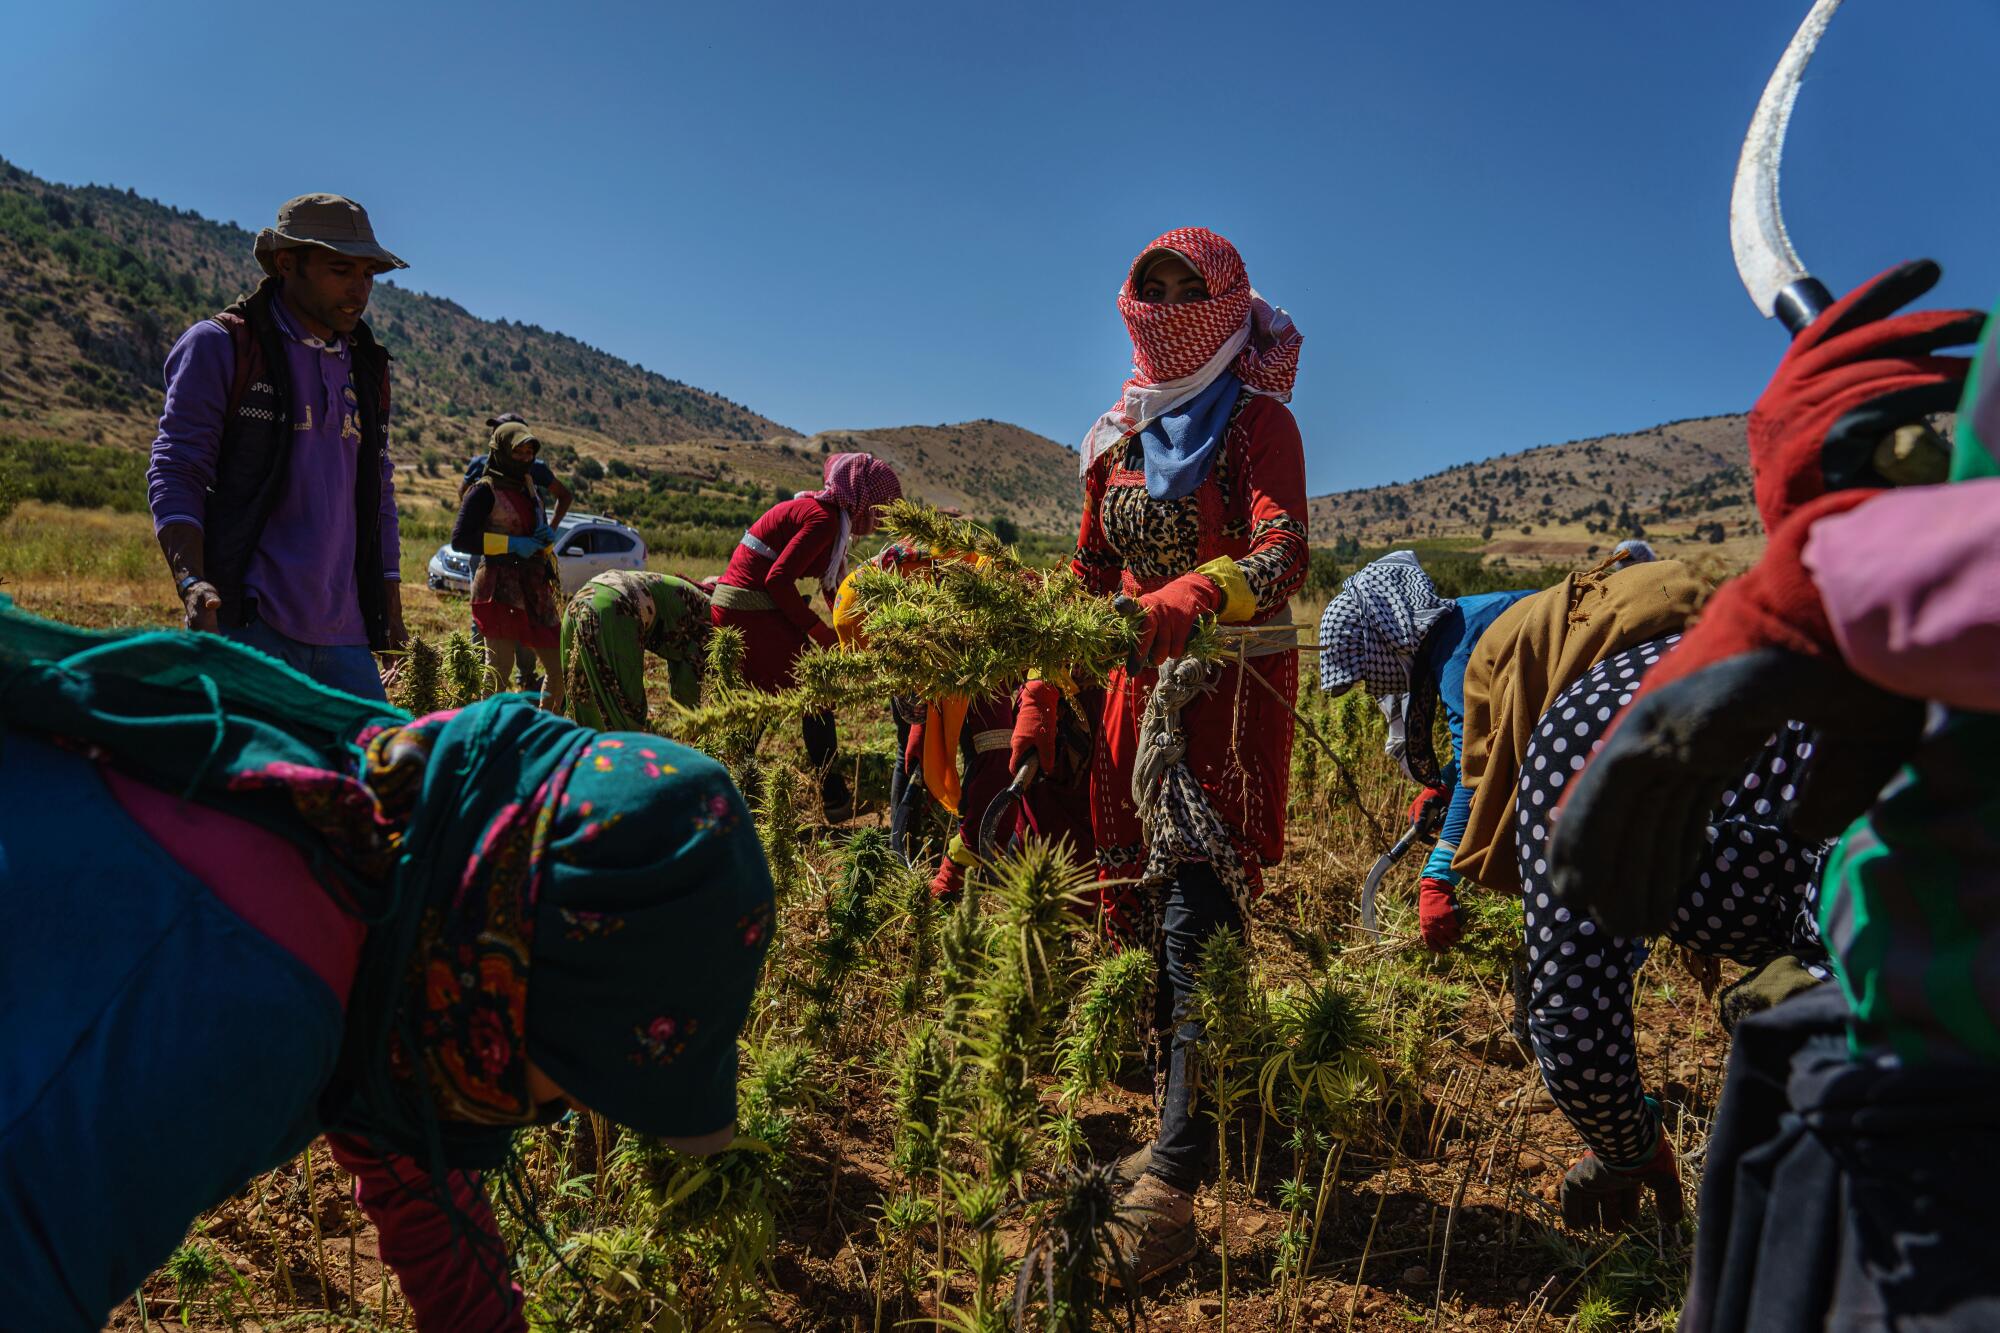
<point>982,467</point>
<point>96,283</point>
<point>1686,483</point>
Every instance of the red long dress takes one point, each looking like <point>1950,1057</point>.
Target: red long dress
<point>1251,509</point>
<point>802,531</point>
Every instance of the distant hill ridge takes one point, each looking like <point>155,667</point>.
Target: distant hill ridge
<point>96,283</point>
<point>1683,481</point>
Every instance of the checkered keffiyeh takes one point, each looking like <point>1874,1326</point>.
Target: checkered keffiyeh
<point>1371,631</point>
<point>1179,350</point>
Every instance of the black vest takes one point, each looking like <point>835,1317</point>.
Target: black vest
<point>255,458</point>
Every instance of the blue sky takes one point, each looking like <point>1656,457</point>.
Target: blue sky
<point>1498,225</point>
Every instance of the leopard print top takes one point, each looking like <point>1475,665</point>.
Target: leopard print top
<point>1232,513</point>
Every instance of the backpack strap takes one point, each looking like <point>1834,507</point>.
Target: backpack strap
<point>241,341</point>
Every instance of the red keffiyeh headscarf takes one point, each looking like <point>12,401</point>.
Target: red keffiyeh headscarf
<point>1178,350</point>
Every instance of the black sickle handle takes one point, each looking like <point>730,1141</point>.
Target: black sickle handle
<point>1800,303</point>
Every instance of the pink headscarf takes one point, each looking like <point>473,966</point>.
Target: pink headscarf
<point>856,483</point>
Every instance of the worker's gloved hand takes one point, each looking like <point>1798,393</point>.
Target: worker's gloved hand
<point>1429,797</point>
<point>913,753</point>
<point>546,535</point>
<point>948,881</point>
<point>1820,441</point>
<point>1036,711</point>
<point>1855,375</point>
<point>1766,988</point>
<point>526,547</point>
<point>1595,1194</point>
<point>1171,614</point>
<point>1437,914</point>
<point>1634,824</point>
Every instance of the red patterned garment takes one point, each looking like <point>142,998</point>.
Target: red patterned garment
<point>1249,510</point>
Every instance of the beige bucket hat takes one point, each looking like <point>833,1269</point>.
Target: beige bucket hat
<point>328,221</point>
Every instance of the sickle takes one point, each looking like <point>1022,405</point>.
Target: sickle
<point>1771,271</point>
<point>1426,828</point>
<point>996,809</point>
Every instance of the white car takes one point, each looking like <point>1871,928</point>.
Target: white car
<point>586,546</point>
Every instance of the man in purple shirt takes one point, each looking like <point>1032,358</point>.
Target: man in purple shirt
<point>271,486</point>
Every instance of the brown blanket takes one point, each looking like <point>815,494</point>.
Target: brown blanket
<point>1536,649</point>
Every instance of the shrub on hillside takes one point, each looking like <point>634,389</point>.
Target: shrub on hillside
<point>81,476</point>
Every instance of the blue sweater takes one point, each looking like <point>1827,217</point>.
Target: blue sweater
<point>1446,652</point>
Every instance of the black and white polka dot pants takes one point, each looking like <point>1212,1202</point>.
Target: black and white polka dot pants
<point>1752,900</point>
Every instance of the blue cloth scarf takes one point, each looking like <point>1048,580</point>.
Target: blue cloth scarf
<point>1180,447</point>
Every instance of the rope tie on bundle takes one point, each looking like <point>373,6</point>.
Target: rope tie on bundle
<point>1180,825</point>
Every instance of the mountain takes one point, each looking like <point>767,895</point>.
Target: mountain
<point>96,283</point>
<point>982,467</point>
<point>1682,484</point>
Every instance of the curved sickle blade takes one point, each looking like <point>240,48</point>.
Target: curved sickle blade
<point>1374,882</point>
<point>1765,260</point>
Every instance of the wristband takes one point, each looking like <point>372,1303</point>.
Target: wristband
<point>188,581</point>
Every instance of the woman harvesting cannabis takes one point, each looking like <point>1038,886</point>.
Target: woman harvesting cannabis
<point>302,912</point>
<point>1529,684</point>
<point>611,624</point>
<point>805,537</point>
<point>1194,505</point>
<point>514,591</point>
<point>1387,628</point>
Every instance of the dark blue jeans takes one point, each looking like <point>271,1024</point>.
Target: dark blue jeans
<point>1197,906</point>
<point>350,668</point>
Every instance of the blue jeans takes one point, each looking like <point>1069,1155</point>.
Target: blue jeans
<point>1197,906</point>
<point>349,668</point>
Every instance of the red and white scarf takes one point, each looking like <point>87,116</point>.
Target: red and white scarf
<point>1178,350</point>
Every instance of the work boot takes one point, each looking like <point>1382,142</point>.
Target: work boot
<point>1127,1169</point>
<point>835,800</point>
<point>1156,1231</point>
<point>1767,987</point>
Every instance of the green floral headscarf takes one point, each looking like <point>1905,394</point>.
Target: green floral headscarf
<point>598,904</point>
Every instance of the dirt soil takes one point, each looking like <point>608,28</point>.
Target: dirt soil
<point>1461,1233</point>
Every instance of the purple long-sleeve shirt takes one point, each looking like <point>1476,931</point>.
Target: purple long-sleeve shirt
<point>302,573</point>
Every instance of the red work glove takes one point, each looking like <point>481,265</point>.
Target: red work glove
<point>1036,709</point>
<point>1437,914</point>
<point>1595,1193</point>
<point>1171,614</point>
<point>913,753</point>
<point>1421,807</point>
<point>1762,649</point>
<point>950,878</point>
<point>1853,376</point>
